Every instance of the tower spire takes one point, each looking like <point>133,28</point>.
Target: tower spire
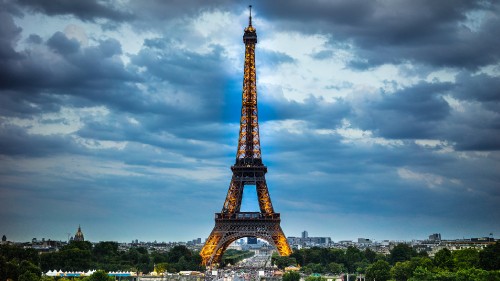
<point>250,17</point>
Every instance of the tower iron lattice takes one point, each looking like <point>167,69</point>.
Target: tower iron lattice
<point>230,223</point>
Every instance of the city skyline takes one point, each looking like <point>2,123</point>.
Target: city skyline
<point>199,240</point>
<point>377,119</point>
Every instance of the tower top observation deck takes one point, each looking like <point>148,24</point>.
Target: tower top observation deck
<point>250,36</point>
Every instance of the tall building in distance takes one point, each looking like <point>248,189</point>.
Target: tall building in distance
<point>435,237</point>
<point>79,235</point>
<point>305,241</point>
<point>252,240</point>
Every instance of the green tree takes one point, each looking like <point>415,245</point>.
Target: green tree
<point>489,257</point>
<point>28,276</point>
<point>475,274</point>
<point>351,257</point>
<point>75,259</point>
<point>402,271</point>
<point>282,262</point>
<point>80,245</point>
<point>157,257</point>
<point>336,268</point>
<point>11,270</point>
<point>27,266</point>
<point>99,275</point>
<point>17,254</point>
<point>361,266</point>
<point>163,267</point>
<point>379,271</point>
<point>444,259</point>
<point>422,274</point>
<point>3,265</point>
<point>370,255</point>
<point>424,262</point>
<point>401,252</point>
<point>314,278</point>
<point>444,275</point>
<point>177,252</point>
<point>106,248</point>
<point>291,276</point>
<point>133,255</point>
<point>106,256</point>
<point>50,278</point>
<point>336,255</point>
<point>51,261</point>
<point>465,258</point>
<point>313,268</point>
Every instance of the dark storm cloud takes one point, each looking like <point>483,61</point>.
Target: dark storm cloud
<point>16,104</point>
<point>60,43</point>
<point>320,113</point>
<point>408,113</point>
<point>197,142</point>
<point>481,87</point>
<point>476,131</point>
<point>86,10</point>
<point>426,32</point>
<point>421,112</point>
<point>181,66</point>
<point>9,34</point>
<point>73,67</point>
<point>93,73</point>
<point>89,76</point>
<point>15,141</point>
<point>479,128</point>
<point>152,13</point>
<point>338,175</point>
<point>34,39</point>
<point>200,77</point>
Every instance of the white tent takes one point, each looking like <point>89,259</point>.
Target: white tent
<point>51,273</point>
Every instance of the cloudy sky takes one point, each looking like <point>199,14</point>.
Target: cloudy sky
<point>378,119</point>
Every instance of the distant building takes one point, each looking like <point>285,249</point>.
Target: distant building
<point>364,241</point>
<point>306,241</point>
<point>252,240</point>
<point>435,237</point>
<point>4,239</point>
<point>79,235</point>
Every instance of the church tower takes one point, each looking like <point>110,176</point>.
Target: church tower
<point>79,235</point>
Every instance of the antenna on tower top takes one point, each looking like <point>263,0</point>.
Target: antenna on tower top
<point>250,18</point>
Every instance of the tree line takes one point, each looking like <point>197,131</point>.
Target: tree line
<point>16,262</point>
<point>402,264</point>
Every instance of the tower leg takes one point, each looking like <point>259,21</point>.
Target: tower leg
<point>264,199</point>
<point>281,243</point>
<point>233,198</point>
<point>210,247</point>
<point>226,231</point>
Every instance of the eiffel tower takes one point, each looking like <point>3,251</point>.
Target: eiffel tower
<point>230,223</point>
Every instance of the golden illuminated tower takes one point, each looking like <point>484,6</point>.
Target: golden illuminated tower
<point>230,223</point>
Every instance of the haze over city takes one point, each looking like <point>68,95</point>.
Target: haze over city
<point>378,119</point>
